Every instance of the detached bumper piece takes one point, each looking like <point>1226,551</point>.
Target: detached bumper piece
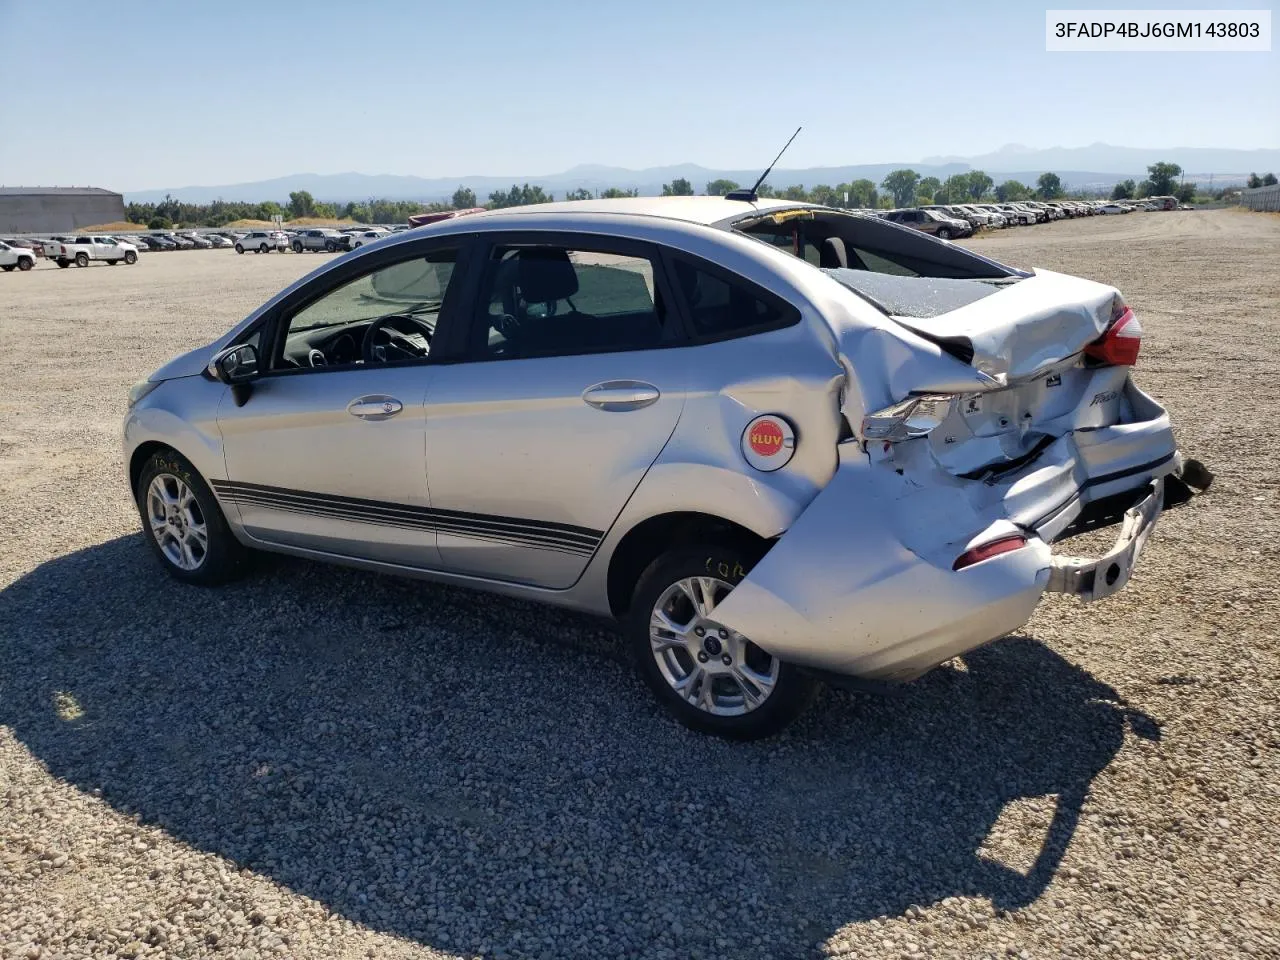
<point>1095,579</point>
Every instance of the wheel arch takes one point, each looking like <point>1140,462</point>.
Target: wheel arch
<point>141,455</point>
<point>650,538</point>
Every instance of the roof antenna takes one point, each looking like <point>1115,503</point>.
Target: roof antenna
<point>750,195</point>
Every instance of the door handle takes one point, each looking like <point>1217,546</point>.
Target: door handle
<point>615,396</point>
<point>374,407</point>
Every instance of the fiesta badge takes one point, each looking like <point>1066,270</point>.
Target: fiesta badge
<point>768,443</point>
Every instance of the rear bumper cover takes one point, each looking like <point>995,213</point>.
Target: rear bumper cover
<point>862,584</point>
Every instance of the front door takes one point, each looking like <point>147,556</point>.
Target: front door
<point>327,451</point>
<point>573,384</point>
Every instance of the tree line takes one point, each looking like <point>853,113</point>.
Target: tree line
<point>1162,181</point>
<point>171,212</point>
<point>900,188</point>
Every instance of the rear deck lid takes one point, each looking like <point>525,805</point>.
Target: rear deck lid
<point>1010,328</point>
<point>1019,339</point>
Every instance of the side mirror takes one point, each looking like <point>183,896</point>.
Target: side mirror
<point>234,364</point>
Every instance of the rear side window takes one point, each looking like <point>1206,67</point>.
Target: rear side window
<point>721,306</point>
<point>539,301</point>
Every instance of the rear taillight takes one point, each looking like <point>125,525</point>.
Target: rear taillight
<point>1119,346</point>
<point>989,550</point>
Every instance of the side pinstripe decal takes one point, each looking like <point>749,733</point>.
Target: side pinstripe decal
<point>539,534</point>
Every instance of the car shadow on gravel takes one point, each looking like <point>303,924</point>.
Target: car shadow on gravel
<point>483,775</point>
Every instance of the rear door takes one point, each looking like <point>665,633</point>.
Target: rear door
<point>573,382</point>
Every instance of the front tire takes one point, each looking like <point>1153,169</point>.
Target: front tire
<point>944,234</point>
<point>64,264</point>
<point>26,263</point>
<point>183,523</point>
<point>297,247</point>
<point>239,248</point>
<point>708,677</point>
<point>10,267</point>
<point>130,257</point>
<point>82,259</point>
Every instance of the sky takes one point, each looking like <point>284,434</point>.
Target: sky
<point>147,95</point>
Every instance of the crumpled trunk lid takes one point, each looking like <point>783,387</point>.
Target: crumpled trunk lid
<point>1024,326</point>
<point>1002,361</point>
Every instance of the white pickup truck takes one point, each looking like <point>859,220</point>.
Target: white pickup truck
<point>11,257</point>
<point>65,251</point>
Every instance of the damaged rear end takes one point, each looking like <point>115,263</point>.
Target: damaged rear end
<point>987,421</point>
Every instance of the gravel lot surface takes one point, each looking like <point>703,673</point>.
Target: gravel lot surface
<point>318,762</point>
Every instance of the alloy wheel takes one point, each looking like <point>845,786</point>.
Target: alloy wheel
<point>177,522</point>
<point>713,668</point>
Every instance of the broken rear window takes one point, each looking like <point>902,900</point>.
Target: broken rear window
<point>918,297</point>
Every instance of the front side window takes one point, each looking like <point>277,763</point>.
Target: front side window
<point>384,316</point>
<point>551,300</point>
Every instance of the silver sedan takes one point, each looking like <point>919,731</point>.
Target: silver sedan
<point>779,443</point>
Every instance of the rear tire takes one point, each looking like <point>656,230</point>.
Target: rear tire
<point>130,257</point>
<point>10,267</point>
<point>715,681</point>
<point>264,249</point>
<point>111,263</point>
<point>82,259</point>
<point>190,537</point>
<point>64,264</point>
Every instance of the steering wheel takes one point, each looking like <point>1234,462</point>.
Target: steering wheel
<point>395,337</point>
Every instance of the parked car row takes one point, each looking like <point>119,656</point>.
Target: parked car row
<point>327,240</point>
<point>1149,203</point>
<point>81,250</point>
<point>956,220</point>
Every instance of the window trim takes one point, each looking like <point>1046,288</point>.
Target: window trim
<point>274,325</point>
<point>791,314</point>
<point>475,344</point>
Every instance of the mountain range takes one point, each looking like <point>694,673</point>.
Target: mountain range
<point>1097,166</point>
